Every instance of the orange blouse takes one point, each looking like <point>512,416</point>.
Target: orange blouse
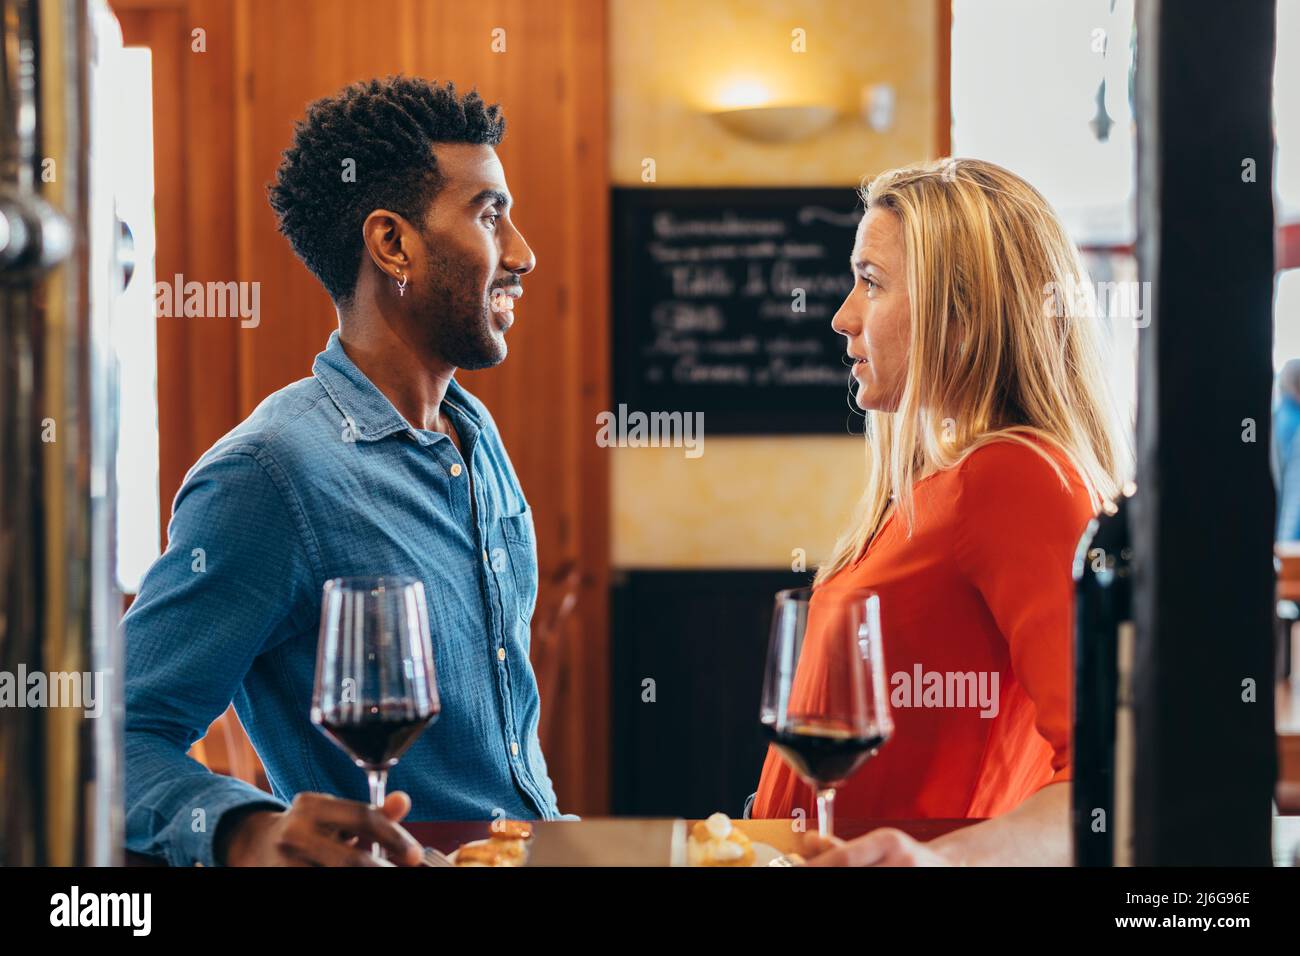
<point>982,585</point>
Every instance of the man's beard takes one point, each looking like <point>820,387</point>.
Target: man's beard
<point>459,321</point>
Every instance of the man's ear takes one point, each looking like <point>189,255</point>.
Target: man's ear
<point>385,234</point>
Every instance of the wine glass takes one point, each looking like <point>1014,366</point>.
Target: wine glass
<point>825,707</point>
<point>376,690</point>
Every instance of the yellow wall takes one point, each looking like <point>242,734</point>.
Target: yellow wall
<point>672,61</point>
<point>744,503</point>
<point>749,502</point>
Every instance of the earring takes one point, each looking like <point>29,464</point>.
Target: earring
<point>401,285</point>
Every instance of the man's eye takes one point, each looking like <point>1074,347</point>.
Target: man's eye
<point>493,218</point>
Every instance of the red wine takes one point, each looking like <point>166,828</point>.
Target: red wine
<point>377,740</point>
<point>823,752</point>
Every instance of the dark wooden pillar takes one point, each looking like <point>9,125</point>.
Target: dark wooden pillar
<point>1205,758</point>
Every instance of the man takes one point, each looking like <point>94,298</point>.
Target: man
<point>380,463</point>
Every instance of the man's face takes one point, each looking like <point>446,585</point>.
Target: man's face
<point>469,259</point>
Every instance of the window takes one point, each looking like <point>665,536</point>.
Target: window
<point>129,158</point>
<point>1044,88</point>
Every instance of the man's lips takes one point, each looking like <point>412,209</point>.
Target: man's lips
<point>503,300</point>
<point>502,304</point>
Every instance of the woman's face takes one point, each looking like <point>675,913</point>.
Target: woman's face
<point>876,316</point>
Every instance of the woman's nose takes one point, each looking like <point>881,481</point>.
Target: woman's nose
<point>846,320</point>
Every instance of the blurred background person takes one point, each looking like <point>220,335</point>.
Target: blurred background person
<point>1286,451</point>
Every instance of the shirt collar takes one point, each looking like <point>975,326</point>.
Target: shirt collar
<point>369,412</point>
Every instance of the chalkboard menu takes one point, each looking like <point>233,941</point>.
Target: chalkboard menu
<point>723,300</point>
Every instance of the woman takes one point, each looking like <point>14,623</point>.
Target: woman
<point>991,442</point>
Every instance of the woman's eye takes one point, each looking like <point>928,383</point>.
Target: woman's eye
<point>872,284</point>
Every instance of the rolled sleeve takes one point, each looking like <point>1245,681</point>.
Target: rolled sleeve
<point>226,590</point>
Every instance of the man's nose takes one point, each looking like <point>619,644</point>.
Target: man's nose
<point>518,257</point>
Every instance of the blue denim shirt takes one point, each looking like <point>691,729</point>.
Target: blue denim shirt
<point>326,479</point>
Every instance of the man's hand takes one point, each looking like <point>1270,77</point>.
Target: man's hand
<point>320,830</point>
<point>883,847</point>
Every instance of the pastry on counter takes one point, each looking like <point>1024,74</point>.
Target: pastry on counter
<point>511,830</point>
<point>716,842</point>
<point>506,845</point>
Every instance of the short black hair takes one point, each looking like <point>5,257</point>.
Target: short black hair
<point>387,127</point>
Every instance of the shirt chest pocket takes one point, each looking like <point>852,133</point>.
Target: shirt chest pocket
<point>518,578</point>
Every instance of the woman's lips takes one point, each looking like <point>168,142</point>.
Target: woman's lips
<point>859,365</point>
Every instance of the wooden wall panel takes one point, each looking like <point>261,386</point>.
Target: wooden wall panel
<point>943,79</point>
<point>222,120</point>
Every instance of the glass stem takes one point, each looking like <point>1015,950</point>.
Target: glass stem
<point>826,812</point>
<point>378,780</point>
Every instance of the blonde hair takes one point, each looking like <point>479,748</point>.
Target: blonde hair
<point>1004,342</point>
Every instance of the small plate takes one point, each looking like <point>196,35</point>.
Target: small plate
<point>454,853</point>
<point>764,854</point>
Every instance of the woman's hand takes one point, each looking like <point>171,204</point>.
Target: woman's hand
<point>1036,833</point>
<point>883,847</point>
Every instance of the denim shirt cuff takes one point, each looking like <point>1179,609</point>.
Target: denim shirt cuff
<point>195,847</point>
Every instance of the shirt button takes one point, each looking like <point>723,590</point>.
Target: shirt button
<point>485,557</point>
<point>501,653</point>
<point>514,749</point>
<point>455,471</point>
